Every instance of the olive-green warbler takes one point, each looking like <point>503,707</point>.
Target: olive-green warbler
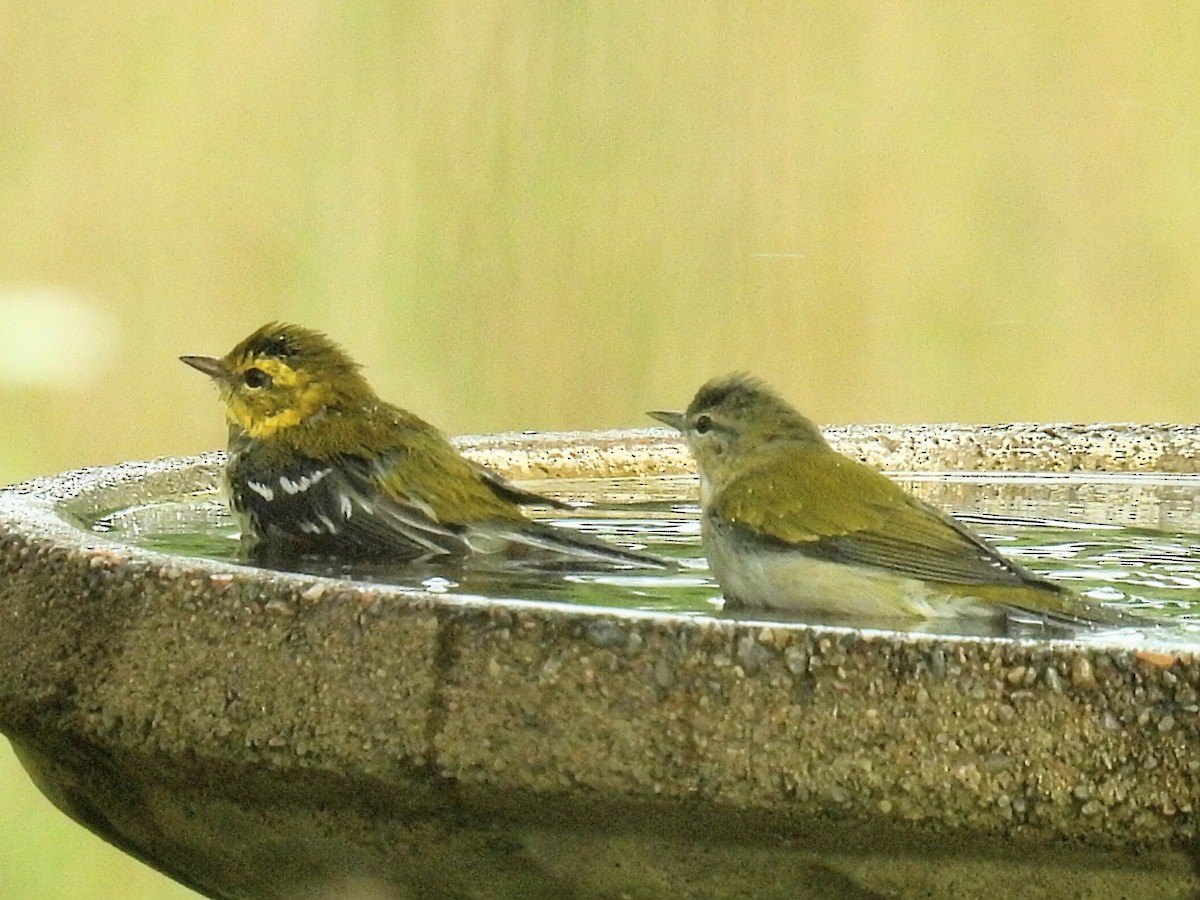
<point>788,523</point>
<point>319,466</point>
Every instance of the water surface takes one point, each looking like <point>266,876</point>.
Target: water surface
<point>1132,541</point>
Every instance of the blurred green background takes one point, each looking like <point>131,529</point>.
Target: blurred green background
<point>551,215</point>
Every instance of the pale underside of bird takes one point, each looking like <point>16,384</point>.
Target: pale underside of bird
<point>868,578</point>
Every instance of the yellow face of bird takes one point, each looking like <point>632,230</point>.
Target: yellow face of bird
<point>730,419</point>
<point>281,376</point>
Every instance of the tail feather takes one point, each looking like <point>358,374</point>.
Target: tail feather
<point>559,542</point>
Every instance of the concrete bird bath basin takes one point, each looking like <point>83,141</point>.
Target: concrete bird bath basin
<point>260,734</point>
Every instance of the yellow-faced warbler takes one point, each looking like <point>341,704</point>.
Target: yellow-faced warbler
<point>788,523</point>
<point>319,466</point>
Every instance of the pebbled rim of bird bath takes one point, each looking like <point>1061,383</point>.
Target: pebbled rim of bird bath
<point>260,734</point>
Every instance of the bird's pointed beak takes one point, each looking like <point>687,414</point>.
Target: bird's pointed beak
<point>676,420</point>
<point>209,365</point>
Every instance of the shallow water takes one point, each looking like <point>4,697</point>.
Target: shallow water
<point>1132,541</point>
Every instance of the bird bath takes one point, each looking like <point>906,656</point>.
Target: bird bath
<point>263,734</point>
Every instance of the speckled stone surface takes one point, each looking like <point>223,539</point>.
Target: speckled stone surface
<point>259,734</point>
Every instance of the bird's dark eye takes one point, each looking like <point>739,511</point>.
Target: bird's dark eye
<point>704,424</point>
<point>256,378</point>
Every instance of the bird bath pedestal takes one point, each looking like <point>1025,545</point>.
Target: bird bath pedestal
<point>258,734</point>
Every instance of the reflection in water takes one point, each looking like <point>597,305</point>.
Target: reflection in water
<point>1129,540</point>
